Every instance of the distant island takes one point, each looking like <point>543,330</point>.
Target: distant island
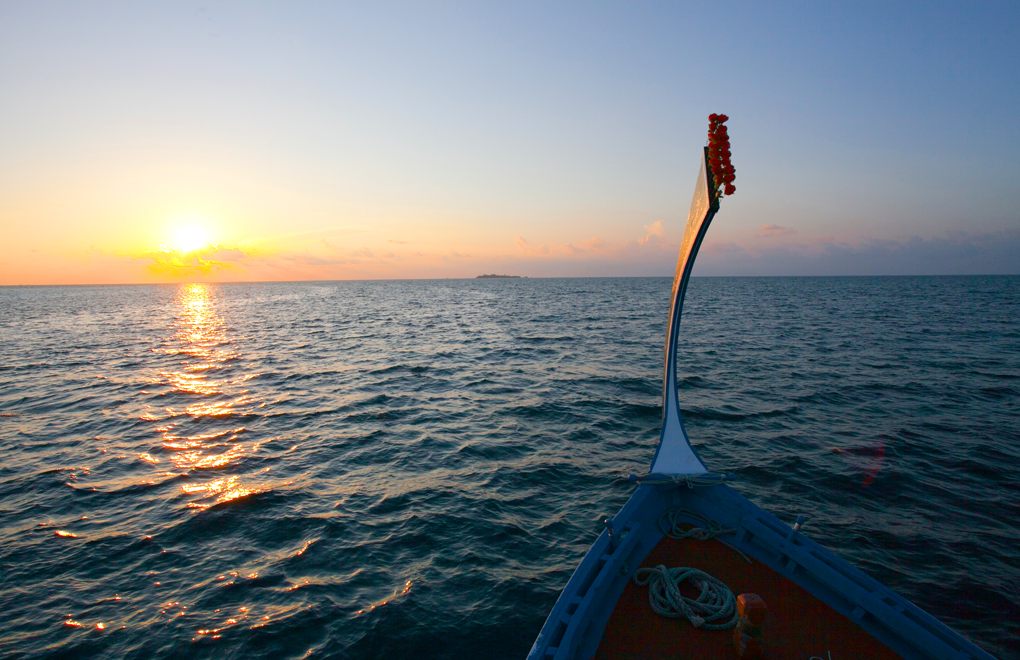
<point>510,277</point>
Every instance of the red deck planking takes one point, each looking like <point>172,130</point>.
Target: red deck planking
<point>799,626</point>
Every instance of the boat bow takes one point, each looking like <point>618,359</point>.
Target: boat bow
<point>675,455</point>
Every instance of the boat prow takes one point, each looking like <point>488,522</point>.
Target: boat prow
<point>810,602</point>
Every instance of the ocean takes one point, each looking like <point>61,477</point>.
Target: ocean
<point>400,469</point>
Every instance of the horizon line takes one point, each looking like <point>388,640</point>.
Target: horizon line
<point>521,277</point>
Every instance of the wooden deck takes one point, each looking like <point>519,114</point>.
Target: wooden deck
<point>798,627</point>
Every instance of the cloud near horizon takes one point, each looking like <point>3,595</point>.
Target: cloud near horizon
<point>654,246</point>
<point>954,253</point>
<point>654,254</point>
<point>654,229</point>
<point>176,264</point>
<point>773,231</point>
<point>314,256</point>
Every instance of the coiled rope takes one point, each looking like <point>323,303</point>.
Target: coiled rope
<point>715,602</point>
<point>715,608</point>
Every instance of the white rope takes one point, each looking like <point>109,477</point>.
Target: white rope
<point>703,530</point>
<point>715,602</point>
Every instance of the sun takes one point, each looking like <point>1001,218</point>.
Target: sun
<point>190,237</point>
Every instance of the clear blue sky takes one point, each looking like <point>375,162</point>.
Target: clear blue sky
<point>438,139</point>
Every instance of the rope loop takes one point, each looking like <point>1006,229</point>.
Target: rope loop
<point>709,610</point>
<point>704,529</point>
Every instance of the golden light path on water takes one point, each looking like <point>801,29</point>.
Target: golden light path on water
<point>200,442</point>
<point>207,356</point>
<point>201,436</point>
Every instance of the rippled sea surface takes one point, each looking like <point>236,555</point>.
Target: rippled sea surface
<point>413,469</point>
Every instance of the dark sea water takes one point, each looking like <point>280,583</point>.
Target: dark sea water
<point>413,469</point>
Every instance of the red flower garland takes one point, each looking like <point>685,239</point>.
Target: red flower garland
<point>723,172</point>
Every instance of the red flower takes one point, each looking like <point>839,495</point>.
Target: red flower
<point>723,172</point>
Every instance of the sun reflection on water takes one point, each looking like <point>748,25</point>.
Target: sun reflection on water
<point>204,390</point>
<point>223,490</point>
<point>385,601</point>
<point>205,426</point>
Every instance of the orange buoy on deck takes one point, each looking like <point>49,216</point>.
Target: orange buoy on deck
<point>748,637</point>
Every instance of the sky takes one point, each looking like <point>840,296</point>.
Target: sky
<point>252,141</point>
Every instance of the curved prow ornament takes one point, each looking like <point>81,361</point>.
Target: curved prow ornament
<point>675,456</point>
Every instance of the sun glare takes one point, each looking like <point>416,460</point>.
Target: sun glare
<point>188,238</point>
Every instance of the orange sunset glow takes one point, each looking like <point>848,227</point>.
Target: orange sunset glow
<point>181,148</point>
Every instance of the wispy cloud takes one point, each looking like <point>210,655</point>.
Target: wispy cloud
<point>301,236</point>
<point>655,229</point>
<point>654,253</point>
<point>529,249</point>
<point>653,246</point>
<point>774,231</point>
<point>954,253</point>
<point>177,264</point>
